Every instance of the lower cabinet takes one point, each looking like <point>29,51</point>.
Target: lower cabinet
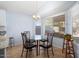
<point>3,45</point>
<point>2,53</point>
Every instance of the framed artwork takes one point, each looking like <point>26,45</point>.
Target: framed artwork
<point>38,30</point>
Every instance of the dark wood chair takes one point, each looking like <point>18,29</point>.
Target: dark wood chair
<point>27,45</point>
<point>45,39</point>
<point>48,44</point>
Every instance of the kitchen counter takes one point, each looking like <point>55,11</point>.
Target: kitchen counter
<point>4,41</point>
<point>3,38</point>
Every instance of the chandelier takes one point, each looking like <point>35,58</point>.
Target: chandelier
<point>36,17</point>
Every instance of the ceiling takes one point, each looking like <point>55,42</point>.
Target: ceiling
<point>42,8</point>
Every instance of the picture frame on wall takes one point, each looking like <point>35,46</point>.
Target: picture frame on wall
<point>38,30</point>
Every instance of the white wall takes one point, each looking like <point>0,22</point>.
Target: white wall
<point>17,23</point>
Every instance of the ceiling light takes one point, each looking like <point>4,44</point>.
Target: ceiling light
<point>36,17</point>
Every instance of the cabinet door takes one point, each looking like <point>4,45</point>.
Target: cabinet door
<point>2,18</point>
<point>4,44</point>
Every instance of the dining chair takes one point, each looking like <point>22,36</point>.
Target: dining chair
<point>11,41</point>
<point>48,44</point>
<point>26,44</point>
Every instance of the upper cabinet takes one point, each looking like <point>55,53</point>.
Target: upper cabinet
<point>2,18</point>
<point>59,24</point>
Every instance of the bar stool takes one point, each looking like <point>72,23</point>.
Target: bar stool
<point>68,45</point>
<point>64,41</point>
<point>11,40</point>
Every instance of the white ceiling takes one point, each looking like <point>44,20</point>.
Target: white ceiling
<point>42,8</point>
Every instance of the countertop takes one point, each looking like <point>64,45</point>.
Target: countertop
<point>4,41</point>
<point>3,38</point>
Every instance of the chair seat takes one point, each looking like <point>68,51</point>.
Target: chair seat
<point>43,40</point>
<point>32,40</point>
<point>30,46</point>
<point>45,46</point>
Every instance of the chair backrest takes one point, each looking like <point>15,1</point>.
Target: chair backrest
<point>27,33</point>
<point>24,39</point>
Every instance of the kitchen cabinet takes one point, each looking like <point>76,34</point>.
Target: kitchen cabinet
<point>2,53</point>
<point>59,25</point>
<point>4,40</point>
<point>4,43</point>
<point>2,18</point>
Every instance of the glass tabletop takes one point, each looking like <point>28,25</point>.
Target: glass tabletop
<point>37,37</point>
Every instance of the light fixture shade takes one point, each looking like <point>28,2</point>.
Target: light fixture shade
<point>36,17</point>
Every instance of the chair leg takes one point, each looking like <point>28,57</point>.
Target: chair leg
<point>26,53</point>
<point>63,48</point>
<point>63,45</point>
<point>22,52</point>
<point>39,49</point>
<point>47,53</point>
<point>66,49</point>
<point>52,50</point>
